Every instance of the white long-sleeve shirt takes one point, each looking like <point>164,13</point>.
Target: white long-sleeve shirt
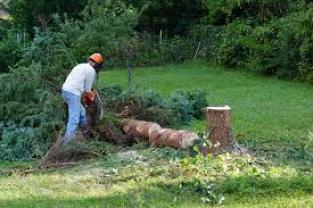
<point>80,79</point>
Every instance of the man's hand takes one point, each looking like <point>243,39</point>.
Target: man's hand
<point>89,97</point>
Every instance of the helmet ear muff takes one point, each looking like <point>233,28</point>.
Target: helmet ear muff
<point>98,67</point>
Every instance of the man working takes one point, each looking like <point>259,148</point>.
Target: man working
<point>79,83</point>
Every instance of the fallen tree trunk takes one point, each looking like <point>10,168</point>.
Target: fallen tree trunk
<point>140,129</point>
<point>156,135</point>
<point>173,138</point>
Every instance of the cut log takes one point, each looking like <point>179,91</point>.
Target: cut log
<point>219,130</point>
<point>158,136</point>
<point>140,129</point>
<point>173,138</point>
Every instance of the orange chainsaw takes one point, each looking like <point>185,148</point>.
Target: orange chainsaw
<point>93,105</point>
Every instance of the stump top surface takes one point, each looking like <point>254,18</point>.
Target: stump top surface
<point>226,107</point>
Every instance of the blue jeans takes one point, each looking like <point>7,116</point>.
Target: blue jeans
<point>76,115</point>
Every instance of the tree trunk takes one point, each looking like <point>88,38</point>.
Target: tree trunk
<point>219,130</point>
<point>173,138</point>
<point>140,129</point>
<point>158,136</point>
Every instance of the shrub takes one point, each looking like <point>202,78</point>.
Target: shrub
<point>105,25</point>
<point>207,38</point>
<point>268,37</point>
<point>49,50</point>
<point>262,51</point>
<point>180,108</point>
<point>28,98</point>
<point>226,11</point>
<point>33,113</point>
<point>21,144</point>
<point>148,50</point>
<point>232,50</point>
<point>282,47</point>
<point>11,46</point>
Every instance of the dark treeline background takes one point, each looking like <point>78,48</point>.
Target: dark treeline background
<point>272,37</point>
<point>268,36</point>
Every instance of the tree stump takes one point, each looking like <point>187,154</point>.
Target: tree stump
<point>219,130</point>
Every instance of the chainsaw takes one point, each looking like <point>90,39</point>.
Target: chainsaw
<point>92,102</point>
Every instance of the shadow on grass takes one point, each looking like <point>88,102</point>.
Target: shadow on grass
<point>253,190</point>
<point>249,186</point>
<point>147,197</point>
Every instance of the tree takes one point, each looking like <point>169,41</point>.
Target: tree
<point>225,11</point>
<point>172,16</point>
<point>29,13</point>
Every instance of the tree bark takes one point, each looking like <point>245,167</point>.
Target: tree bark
<point>140,129</point>
<point>219,130</point>
<point>173,138</point>
<point>158,136</point>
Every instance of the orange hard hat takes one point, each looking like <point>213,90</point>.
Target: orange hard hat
<point>97,58</point>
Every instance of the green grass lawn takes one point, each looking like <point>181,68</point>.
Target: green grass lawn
<point>268,114</point>
<point>271,117</point>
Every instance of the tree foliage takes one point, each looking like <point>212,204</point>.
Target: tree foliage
<point>30,13</point>
<point>268,37</point>
<point>172,16</point>
<point>225,11</point>
<point>30,102</point>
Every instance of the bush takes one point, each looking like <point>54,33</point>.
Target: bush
<point>232,50</point>
<point>20,144</point>
<point>275,42</point>
<point>109,28</point>
<point>29,99</point>
<point>11,46</point>
<point>207,38</point>
<point>50,51</point>
<point>152,51</point>
<point>226,11</point>
<point>105,25</point>
<point>180,107</point>
<point>282,47</point>
<point>262,51</point>
<point>33,113</point>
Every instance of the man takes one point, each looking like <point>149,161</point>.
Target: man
<point>79,83</point>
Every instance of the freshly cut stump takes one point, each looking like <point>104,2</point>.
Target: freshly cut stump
<point>219,130</point>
